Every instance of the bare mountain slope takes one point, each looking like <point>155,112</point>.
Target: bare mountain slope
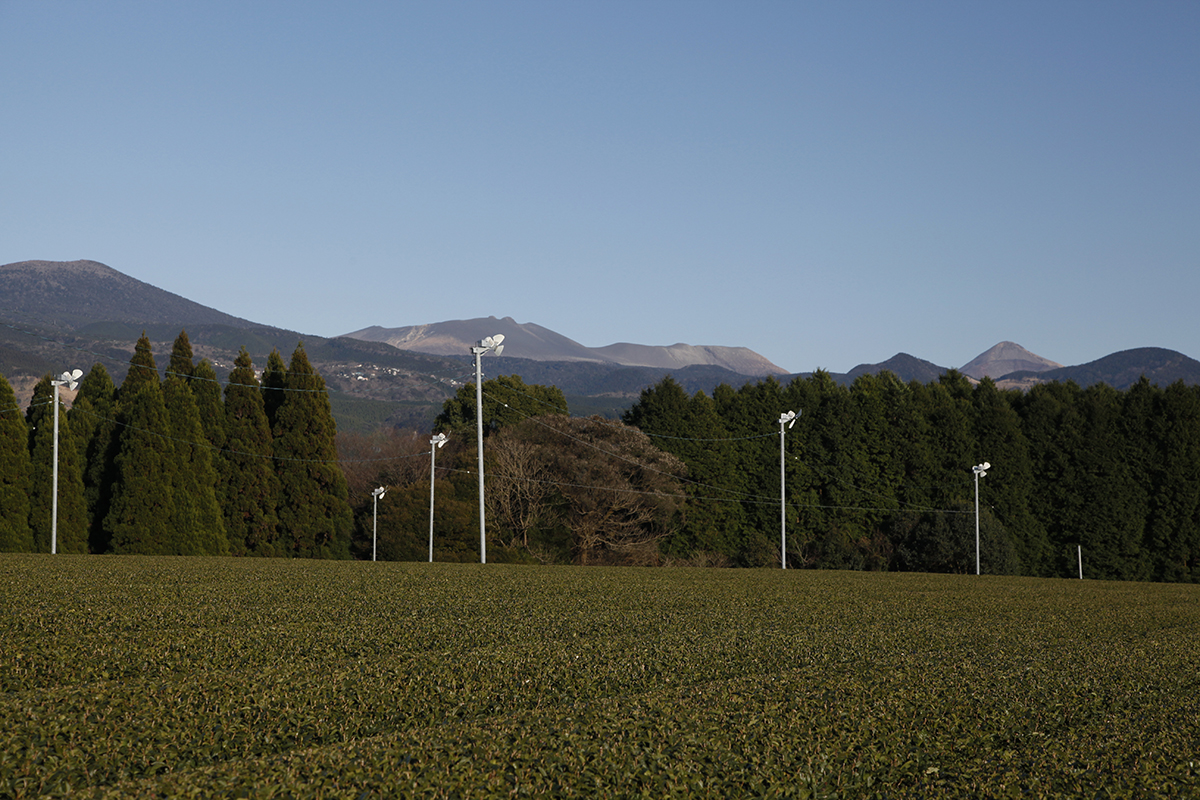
<point>73,294</point>
<point>1004,358</point>
<point>527,340</point>
<point>454,338</point>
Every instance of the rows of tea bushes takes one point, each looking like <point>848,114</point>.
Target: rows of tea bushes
<point>144,676</point>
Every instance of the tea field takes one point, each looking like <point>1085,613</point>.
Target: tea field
<point>176,677</point>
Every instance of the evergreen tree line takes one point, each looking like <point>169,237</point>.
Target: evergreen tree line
<point>170,466</point>
<point>879,475</point>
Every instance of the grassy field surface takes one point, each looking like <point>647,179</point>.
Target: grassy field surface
<point>175,677</point>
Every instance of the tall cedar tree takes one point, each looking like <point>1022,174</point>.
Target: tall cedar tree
<point>274,378</point>
<point>180,364</point>
<point>199,522</point>
<point>93,417</point>
<point>72,525</point>
<point>315,519</point>
<point>15,534</point>
<point>141,518</point>
<point>246,469</point>
<point>207,391</point>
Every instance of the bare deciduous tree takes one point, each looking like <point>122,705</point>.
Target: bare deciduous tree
<point>604,481</point>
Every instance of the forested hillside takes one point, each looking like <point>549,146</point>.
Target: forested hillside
<point>879,474</point>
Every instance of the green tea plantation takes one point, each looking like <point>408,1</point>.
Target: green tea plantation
<point>210,677</point>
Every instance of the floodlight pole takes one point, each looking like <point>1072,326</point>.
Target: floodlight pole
<point>66,379</point>
<point>376,493</point>
<point>434,444</point>
<point>479,351</point>
<point>979,470</point>
<point>977,521</point>
<point>486,345</point>
<point>788,419</point>
<point>54,502</point>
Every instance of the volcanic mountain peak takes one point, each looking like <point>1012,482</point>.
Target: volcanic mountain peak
<point>1004,358</point>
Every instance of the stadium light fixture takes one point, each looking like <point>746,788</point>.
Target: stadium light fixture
<point>980,470</point>
<point>490,344</point>
<point>376,493</point>
<point>436,443</point>
<point>788,419</point>
<point>70,380</point>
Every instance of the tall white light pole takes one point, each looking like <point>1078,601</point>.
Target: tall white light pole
<point>376,493</point>
<point>980,470</point>
<point>788,419</point>
<point>70,380</point>
<point>435,444</point>
<point>490,344</point>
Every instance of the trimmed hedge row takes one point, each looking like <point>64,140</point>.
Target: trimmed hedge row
<point>176,677</point>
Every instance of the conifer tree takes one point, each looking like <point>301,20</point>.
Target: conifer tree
<point>207,391</point>
<point>247,472</point>
<point>142,369</point>
<point>72,527</point>
<point>93,419</point>
<point>141,516</point>
<point>314,511</point>
<point>274,380</point>
<point>15,533</point>
<point>181,357</point>
<point>199,525</point>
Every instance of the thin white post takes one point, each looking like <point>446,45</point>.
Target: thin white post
<point>54,502</point>
<point>976,522</point>
<point>1079,555</point>
<point>434,444</point>
<point>980,470</point>
<point>782,503</point>
<point>489,344</point>
<point>479,444</point>
<point>788,419</point>
<point>376,493</point>
<point>432,462</point>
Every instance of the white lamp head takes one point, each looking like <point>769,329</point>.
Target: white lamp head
<point>70,379</point>
<point>490,343</point>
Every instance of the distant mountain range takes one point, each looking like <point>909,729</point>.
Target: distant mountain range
<point>55,315</point>
<point>542,344</point>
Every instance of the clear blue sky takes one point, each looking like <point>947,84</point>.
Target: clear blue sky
<point>827,183</point>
